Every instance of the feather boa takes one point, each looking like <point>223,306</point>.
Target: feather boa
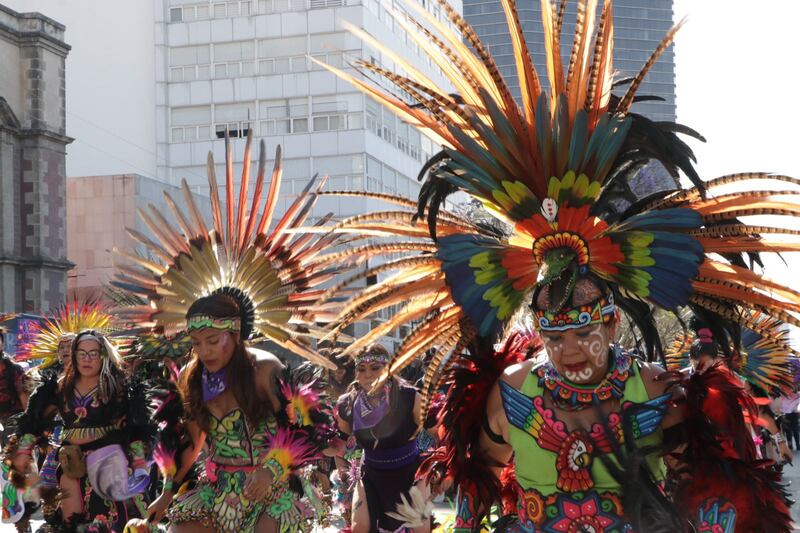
<point>305,405</point>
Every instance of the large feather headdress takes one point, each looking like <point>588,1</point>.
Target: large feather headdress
<point>270,272</point>
<point>766,360</point>
<point>69,319</point>
<point>556,168</point>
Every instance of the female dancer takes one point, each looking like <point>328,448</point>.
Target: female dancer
<point>224,284</point>
<point>385,424</point>
<point>105,430</point>
<point>232,403</point>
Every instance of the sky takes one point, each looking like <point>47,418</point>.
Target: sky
<point>737,84</point>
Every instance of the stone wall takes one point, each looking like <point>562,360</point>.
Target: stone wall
<point>33,249</point>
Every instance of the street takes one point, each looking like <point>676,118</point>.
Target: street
<point>791,476</point>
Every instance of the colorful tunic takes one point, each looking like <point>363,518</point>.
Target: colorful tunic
<point>562,484</point>
<point>217,501</point>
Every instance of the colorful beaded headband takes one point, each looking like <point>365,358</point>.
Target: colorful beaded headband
<point>598,312</point>
<point>206,321</point>
<point>372,357</point>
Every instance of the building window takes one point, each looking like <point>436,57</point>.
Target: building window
<point>234,129</point>
<point>176,14</point>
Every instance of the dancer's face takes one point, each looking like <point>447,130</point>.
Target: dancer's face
<point>214,347</point>
<point>367,373</point>
<point>580,355</point>
<point>89,358</point>
<point>64,346</point>
<point>704,362</point>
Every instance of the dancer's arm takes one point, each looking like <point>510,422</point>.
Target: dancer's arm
<point>189,454</point>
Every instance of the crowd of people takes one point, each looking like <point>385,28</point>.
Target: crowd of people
<point>509,393</point>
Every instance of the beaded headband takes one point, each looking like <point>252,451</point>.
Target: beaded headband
<point>196,322</point>
<point>369,356</point>
<point>600,311</point>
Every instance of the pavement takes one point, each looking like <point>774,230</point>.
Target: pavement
<point>791,475</point>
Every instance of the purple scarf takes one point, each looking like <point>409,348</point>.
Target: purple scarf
<point>214,383</point>
<point>364,415</point>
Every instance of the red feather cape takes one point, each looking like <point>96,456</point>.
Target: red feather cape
<point>459,457</point>
<point>720,461</point>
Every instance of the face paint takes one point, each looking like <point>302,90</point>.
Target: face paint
<point>581,354</point>
<point>578,377</point>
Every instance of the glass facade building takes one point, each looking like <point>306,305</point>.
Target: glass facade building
<point>639,26</point>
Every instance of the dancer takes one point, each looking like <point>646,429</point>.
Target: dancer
<point>106,432</point>
<point>13,384</point>
<point>14,392</point>
<point>224,286</point>
<point>582,250</point>
<point>385,423</point>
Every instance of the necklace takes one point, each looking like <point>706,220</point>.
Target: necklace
<point>574,397</point>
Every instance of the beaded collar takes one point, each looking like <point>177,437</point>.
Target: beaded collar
<point>572,396</point>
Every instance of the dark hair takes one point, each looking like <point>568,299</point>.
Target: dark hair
<point>241,370</point>
<point>349,367</point>
<point>394,381</point>
<point>3,336</point>
<point>705,342</point>
<point>112,375</point>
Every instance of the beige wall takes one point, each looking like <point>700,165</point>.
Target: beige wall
<point>99,208</point>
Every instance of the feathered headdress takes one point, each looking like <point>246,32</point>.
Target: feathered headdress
<point>765,359</point>
<point>271,273</point>
<point>557,170</point>
<point>70,319</point>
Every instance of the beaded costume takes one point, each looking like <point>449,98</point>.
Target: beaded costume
<point>124,420</point>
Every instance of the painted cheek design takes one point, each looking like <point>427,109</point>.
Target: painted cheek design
<point>594,345</point>
<point>578,377</point>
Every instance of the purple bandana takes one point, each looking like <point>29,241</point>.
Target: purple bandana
<point>213,383</point>
<point>364,415</point>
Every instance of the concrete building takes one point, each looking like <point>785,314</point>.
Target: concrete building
<point>190,70</point>
<point>639,25</point>
<point>99,209</point>
<point>33,251</point>
<point>241,65</point>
